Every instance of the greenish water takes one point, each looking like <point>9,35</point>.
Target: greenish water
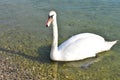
<point>25,41</point>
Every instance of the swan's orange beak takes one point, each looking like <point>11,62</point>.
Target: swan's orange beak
<point>49,21</point>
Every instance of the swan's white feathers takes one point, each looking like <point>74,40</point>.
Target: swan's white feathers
<point>77,37</point>
<point>82,45</point>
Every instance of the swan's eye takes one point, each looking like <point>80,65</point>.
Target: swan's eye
<point>50,16</point>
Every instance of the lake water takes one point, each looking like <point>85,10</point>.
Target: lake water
<point>28,17</point>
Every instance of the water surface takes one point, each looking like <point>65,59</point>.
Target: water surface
<point>23,34</point>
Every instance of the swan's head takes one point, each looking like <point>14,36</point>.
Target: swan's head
<point>51,17</point>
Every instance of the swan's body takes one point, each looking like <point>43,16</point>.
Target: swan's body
<point>78,47</point>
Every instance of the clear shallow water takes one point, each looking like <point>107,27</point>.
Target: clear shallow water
<point>27,18</point>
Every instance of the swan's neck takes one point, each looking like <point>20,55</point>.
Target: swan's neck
<point>55,35</point>
<point>54,49</point>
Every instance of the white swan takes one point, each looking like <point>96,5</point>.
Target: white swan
<point>78,47</point>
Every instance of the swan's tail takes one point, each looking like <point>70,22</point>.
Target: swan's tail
<point>109,45</point>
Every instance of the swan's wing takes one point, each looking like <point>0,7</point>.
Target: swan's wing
<point>81,46</point>
<point>79,38</point>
